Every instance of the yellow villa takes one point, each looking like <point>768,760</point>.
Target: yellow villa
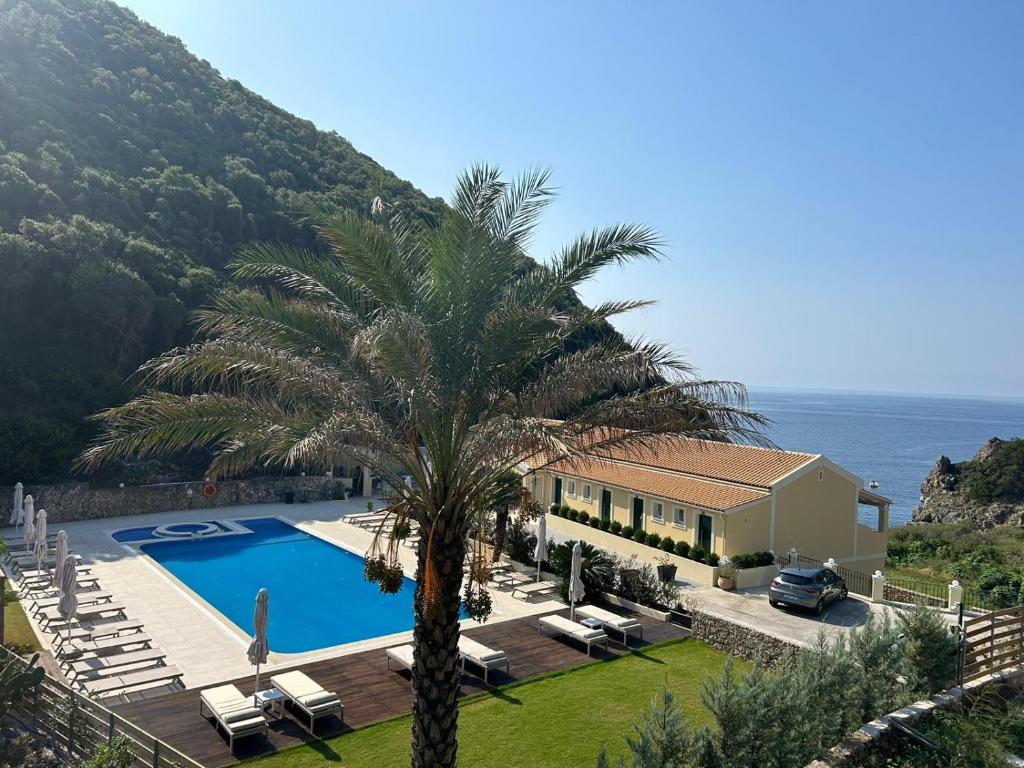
<point>727,498</point>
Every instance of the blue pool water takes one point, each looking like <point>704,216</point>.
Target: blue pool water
<point>318,597</point>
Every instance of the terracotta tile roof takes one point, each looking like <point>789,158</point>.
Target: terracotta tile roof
<point>652,482</point>
<point>731,462</point>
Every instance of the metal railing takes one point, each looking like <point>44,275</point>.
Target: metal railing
<point>80,725</point>
<point>928,593</point>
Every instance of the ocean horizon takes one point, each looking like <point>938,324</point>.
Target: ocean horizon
<point>892,438</point>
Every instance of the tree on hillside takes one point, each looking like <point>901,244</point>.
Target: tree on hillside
<point>435,353</point>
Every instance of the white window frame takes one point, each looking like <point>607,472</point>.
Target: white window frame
<point>571,489</point>
<point>679,521</point>
<point>658,511</point>
<point>587,492</point>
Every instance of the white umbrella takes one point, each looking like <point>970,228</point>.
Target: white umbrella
<point>18,510</point>
<point>29,534</point>
<point>40,542</point>
<point>62,552</point>
<point>541,551</point>
<point>258,648</point>
<point>67,606</point>
<point>576,590</point>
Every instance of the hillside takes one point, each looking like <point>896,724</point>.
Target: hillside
<point>130,171</point>
<point>985,491</point>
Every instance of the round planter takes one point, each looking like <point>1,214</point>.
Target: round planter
<point>724,583</point>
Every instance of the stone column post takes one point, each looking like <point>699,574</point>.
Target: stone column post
<point>956,595</point>
<point>877,587</point>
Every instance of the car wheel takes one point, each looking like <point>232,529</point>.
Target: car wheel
<point>819,608</point>
<point>843,593</point>
<point>773,603</point>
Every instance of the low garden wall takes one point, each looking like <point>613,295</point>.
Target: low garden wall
<point>756,577</point>
<point>742,640</point>
<point>881,736</point>
<point>686,569</point>
<point>66,502</point>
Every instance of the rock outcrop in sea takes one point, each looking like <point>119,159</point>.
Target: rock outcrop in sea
<point>987,491</point>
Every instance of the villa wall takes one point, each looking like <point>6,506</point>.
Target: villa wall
<point>67,502</point>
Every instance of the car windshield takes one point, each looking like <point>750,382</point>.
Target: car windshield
<point>792,578</point>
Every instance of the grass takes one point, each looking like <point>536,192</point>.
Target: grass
<point>552,721</point>
<point>18,634</point>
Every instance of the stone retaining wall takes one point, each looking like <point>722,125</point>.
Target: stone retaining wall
<point>67,502</point>
<point>741,640</point>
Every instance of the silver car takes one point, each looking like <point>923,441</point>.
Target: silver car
<point>812,588</point>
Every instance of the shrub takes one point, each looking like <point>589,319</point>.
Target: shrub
<point>519,542</point>
<point>699,554</point>
<point>599,567</point>
<point>566,509</point>
<point>615,527</point>
<point>555,510</point>
<point>574,515</point>
<point>583,517</point>
<point>639,536</point>
<point>753,559</point>
<point>667,545</point>
<point>930,648</point>
<point>115,754</point>
<point>606,525</point>
<point>627,531</point>
<point>653,540</point>
<point>713,559</point>
<point>683,548</point>
<point>595,522</point>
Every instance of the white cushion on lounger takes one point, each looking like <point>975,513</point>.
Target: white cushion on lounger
<point>249,713</point>
<point>563,624</point>
<point>316,699</point>
<point>475,650</point>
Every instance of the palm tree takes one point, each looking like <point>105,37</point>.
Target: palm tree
<point>435,353</point>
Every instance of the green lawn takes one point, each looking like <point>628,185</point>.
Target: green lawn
<point>555,721</point>
<point>17,632</point>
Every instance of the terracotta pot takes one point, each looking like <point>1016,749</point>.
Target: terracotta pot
<point>724,583</point>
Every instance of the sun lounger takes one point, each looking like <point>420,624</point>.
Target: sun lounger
<point>400,655</point>
<point>89,632</point>
<point>46,574</point>
<point>98,666</point>
<point>80,649</point>
<point>482,656</point>
<point>534,588</point>
<point>308,696</point>
<point>612,621</point>
<point>233,712</point>
<point>120,684</point>
<point>85,597</point>
<point>559,625</point>
<point>50,617</point>
<point>41,588</point>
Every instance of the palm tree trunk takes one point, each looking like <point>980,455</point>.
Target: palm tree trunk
<point>500,532</point>
<point>436,675</point>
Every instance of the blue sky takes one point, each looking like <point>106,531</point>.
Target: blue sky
<point>841,186</point>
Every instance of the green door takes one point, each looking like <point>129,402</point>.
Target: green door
<point>606,504</point>
<point>558,490</point>
<point>638,514</point>
<point>704,532</point>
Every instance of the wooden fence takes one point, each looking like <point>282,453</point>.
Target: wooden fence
<point>80,724</point>
<point>991,643</point>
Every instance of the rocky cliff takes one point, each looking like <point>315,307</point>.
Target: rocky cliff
<point>987,490</point>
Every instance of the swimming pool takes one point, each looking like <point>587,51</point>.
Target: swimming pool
<point>318,596</point>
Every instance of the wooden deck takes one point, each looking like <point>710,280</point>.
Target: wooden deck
<point>368,689</point>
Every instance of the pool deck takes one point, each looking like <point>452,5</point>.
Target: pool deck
<point>369,690</point>
<point>198,639</point>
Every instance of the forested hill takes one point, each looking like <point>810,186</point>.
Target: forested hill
<point>130,172</point>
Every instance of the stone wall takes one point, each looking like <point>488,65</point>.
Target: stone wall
<point>67,502</point>
<point>741,640</point>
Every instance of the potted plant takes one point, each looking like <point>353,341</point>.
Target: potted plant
<point>726,575</point>
<point>666,569</point>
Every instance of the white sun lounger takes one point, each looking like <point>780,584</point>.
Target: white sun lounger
<point>50,617</point>
<point>623,624</point>
<point>120,684</point>
<point>71,652</point>
<point>308,696</point>
<point>90,632</point>
<point>402,655</point>
<point>534,588</point>
<point>85,597</point>
<point>233,712</point>
<point>559,625</point>
<point>482,656</point>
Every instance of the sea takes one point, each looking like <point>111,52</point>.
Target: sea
<point>893,439</point>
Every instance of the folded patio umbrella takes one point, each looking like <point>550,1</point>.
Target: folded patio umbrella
<point>18,510</point>
<point>67,606</point>
<point>258,648</point>
<point>576,591</point>
<point>40,542</point>
<point>541,551</point>
<point>29,534</point>
<point>62,552</point>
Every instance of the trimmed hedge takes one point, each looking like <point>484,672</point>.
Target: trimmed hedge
<point>753,560</point>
